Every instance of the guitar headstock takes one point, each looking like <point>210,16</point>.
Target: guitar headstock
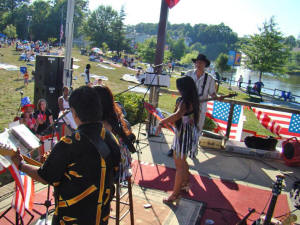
<point>277,187</point>
<point>5,147</point>
<point>6,150</point>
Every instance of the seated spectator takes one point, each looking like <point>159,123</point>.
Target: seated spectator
<point>27,117</point>
<point>44,118</point>
<point>63,103</point>
<point>257,87</point>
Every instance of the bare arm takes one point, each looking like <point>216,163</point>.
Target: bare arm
<point>175,116</point>
<point>51,119</point>
<point>172,118</point>
<point>60,104</point>
<point>28,169</point>
<point>32,172</point>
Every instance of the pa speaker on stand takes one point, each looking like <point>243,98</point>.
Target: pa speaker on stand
<point>49,80</point>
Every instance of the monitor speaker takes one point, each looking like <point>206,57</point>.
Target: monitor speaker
<point>49,81</point>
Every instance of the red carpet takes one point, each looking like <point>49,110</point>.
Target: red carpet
<point>227,202</point>
<point>39,197</point>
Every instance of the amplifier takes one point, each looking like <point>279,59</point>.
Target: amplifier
<point>157,80</point>
<point>291,152</point>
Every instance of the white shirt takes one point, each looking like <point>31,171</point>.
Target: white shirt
<point>209,90</point>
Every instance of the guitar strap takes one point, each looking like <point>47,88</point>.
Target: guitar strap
<point>204,84</point>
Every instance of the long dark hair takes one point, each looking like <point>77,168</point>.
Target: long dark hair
<point>113,115</point>
<point>187,88</point>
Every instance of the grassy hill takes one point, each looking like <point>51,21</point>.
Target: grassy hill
<point>11,83</point>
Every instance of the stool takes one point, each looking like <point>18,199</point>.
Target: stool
<point>118,198</point>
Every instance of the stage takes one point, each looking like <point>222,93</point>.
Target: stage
<point>223,185</point>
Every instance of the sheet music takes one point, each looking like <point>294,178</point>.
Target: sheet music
<point>8,139</point>
<point>157,80</point>
<point>28,139</point>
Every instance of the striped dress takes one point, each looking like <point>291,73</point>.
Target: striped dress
<point>186,137</point>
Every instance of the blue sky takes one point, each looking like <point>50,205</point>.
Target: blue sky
<point>242,16</point>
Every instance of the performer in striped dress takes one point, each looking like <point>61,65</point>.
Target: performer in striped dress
<point>186,119</point>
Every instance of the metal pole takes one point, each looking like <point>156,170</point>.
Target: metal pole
<point>159,56</point>
<point>67,78</point>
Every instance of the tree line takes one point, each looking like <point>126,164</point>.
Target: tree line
<point>104,27</point>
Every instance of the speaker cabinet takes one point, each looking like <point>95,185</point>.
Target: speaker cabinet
<point>291,152</point>
<point>49,81</point>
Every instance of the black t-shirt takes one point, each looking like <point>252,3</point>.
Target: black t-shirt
<point>44,115</point>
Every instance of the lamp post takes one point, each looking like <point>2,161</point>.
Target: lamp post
<point>29,18</point>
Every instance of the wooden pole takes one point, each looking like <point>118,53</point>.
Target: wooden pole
<point>159,56</point>
<point>228,128</point>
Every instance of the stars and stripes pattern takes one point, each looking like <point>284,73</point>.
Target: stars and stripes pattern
<point>285,125</point>
<point>219,112</point>
<point>19,202</point>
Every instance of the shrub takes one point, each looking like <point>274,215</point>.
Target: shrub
<point>132,103</point>
<point>209,124</point>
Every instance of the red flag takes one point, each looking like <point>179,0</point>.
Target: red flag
<point>171,3</point>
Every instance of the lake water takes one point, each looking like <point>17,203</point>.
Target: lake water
<point>292,83</point>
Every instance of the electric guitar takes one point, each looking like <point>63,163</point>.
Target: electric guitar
<point>244,220</point>
<point>276,190</point>
<point>7,151</point>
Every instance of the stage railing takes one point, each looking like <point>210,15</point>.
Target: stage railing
<point>233,102</point>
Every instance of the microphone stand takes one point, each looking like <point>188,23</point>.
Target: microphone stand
<point>21,93</point>
<point>122,92</point>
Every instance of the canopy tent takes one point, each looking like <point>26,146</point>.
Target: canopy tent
<point>2,35</point>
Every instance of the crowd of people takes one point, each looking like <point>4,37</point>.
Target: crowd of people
<point>37,118</point>
<point>104,141</point>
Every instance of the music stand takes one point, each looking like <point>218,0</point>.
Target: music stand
<point>154,80</point>
<point>19,108</point>
<point>18,217</point>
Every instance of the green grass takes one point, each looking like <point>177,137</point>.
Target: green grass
<point>11,83</point>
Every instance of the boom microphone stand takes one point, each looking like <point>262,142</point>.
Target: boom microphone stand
<point>19,108</point>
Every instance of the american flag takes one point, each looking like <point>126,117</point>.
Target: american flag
<point>171,3</point>
<point>20,201</point>
<point>24,186</point>
<point>219,112</point>
<point>285,125</point>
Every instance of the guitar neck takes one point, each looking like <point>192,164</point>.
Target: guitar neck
<point>215,98</point>
<point>11,152</point>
